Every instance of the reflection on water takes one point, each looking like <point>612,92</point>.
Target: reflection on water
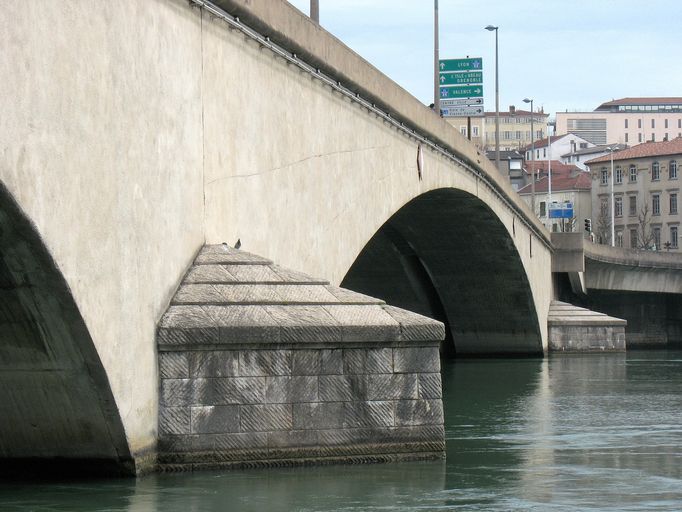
<point>593,432</point>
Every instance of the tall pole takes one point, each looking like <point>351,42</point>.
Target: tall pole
<point>549,176</point>
<point>436,70</point>
<point>490,28</point>
<point>613,207</point>
<point>315,10</point>
<point>532,154</point>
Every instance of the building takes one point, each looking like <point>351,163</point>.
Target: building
<point>625,121</point>
<point>570,185</point>
<point>515,126</point>
<point>511,165</point>
<point>646,187</point>
<point>580,156</point>
<point>554,146</point>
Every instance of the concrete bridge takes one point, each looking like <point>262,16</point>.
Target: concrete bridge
<point>133,133</point>
<point>643,287</point>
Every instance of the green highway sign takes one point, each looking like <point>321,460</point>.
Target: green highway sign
<point>464,78</point>
<point>468,91</point>
<point>447,65</point>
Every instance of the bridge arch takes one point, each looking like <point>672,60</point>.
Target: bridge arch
<point>58,412</point>
<point>445,254</point>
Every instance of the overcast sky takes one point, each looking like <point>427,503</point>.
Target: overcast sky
<point>565,55</point>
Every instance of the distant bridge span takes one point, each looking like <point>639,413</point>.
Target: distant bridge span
<point>133,133</point>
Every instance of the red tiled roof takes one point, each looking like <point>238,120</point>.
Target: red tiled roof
<point>542,143</point>
<point>647,149</point>
<point>516,113</point>
<point>580,181</point>
<point>642,101</point>
<point>542,166</point>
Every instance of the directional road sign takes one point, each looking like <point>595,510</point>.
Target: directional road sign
<point>461,65</point>
<point>458,91</point>
<point>462,101</point>
<point>463,78</point>
<point>463,111</point>
<point>560,210</point>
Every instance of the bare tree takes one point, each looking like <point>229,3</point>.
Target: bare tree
<point>603,227</point>
<point>645,234</point>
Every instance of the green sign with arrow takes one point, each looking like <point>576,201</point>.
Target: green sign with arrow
<point>469,91</point>
<point>447,65</point>
<point>464,78</point>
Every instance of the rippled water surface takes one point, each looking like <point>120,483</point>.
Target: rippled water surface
<point>597,432</point>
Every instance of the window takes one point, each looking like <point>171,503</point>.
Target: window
<point>583,145</point>
<point>653,123</point>
<point>655,204</point>
<point>653,137</point>
<point>673,237</point>
<point>633,238</point>
<point>657,238</point>
<point>474,131</point>
<point>633,173</point>
<point>679,123</point>
<point>604,176</point>
<point>619,239</point>
<point>639,137</point>
<point>673,203</point>
<point>518,134</point>
<point>626,137</point>
<point>618,206</point>
<point>543,209</point>
<point>619,175</point>
<point>544,153</point>
<point>632,201</point>
<point>463,130</point>
<point>665,123</point>
<point>626,123</point>
<point>655,171</point>
<point>537,154</point>
<point>639,123</point>
<point>507,135</point>
<point>672,169</point>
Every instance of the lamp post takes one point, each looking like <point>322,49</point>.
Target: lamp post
<point>490,28</point>
<point>532,154</point>
<point>613,206</point>
<point>315,10</point>
<point>436,70</point>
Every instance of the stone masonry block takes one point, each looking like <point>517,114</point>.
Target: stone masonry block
<point>235,390</point>
<point>318,416</point>
<point>215,363</point>
<point>209,274</point>
<point>266,418</point>
<point>173,365</point>
<point>307,362</point>
<point>292,438</point>
<point>430,386</point>
<point>233,446</point>
<point>342,388</point>
<point>291,389</point>
<point>393,386</point>
<point>244,324</point>
<point>264,362</point>
<point>370,361</point>
<point>185,336</point>
<point>216,419</point>
<point>416,360</point>
<point>305,323</point>
<point>416,327</point>
<point>174,420</point>
<point>368,414</point>
<point>331,362</point>
<point>418,412</point>
<point>364,323</point>
<point>181,392</point>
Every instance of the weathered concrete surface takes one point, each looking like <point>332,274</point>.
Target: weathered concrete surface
<point>569,255</point>
<point>275,368</point>
<point>135,131</point>
<point>575,329</point>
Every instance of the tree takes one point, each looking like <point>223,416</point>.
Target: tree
<point>645,234</point>
<point>603,227</point>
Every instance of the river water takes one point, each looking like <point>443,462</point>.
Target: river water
<point>570,432</point>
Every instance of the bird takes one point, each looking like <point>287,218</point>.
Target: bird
<point>238,244</point>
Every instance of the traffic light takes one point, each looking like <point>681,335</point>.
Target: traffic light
<point>588,225</point>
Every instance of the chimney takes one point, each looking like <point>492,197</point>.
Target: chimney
<point>512,110</point>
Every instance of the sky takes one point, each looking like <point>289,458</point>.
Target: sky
<point>566,56</point>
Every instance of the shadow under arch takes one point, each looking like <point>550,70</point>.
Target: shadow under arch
<point>57,412</point>
<point>446,255</point>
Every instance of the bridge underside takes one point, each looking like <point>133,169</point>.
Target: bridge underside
<point>56,408</point>
<point>446,255</point>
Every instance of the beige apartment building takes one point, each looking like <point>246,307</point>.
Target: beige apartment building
<point>515,128</point>
<point>628,121</point>
<point>645,186</point>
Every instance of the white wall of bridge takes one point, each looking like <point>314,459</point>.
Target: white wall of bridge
<point>133,132</point>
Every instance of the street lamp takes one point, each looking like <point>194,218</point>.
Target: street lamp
<point>490,28</point>
<point>532,154</point>
<point>613,206</point>
<point>436,59</point>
